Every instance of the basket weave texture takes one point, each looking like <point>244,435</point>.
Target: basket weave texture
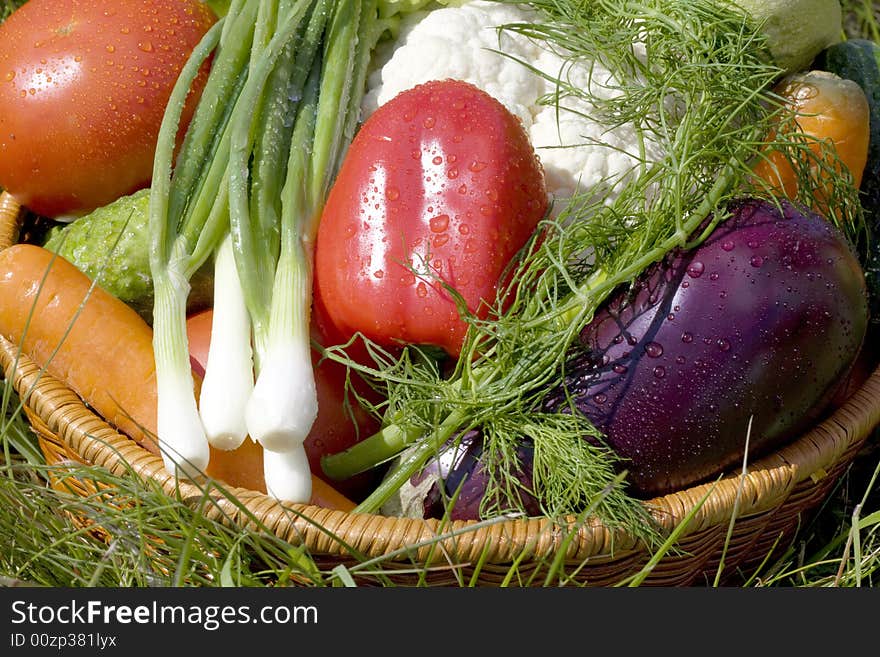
<point>738,521</point>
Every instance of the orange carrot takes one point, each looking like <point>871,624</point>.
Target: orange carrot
<point>103,350</point>
<point>84,336</point>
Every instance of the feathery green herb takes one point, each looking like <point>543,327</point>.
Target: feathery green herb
<point>696,84</point>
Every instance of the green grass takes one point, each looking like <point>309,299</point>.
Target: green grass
<point>154,539</point>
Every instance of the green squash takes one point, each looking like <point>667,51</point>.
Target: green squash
<point>859,60</point>
<point>112,246</point>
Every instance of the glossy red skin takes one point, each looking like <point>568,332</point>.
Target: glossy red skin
<point>763,320</point>
<point>442,174</point>
<point>334,429</point>
<point>83,87</point>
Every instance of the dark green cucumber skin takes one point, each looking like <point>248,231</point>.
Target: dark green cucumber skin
<point>859,60</point>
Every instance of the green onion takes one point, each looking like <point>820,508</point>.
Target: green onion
<point>279,108</point>
<point>229,376</point>
<point>181,435</point>
<point>284,403</point>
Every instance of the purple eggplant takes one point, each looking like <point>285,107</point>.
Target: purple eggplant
<point>459,471</point>
<point>760,323</point>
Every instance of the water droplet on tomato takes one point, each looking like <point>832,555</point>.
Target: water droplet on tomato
<point>110,48</point>
<point>429,122</point>
<point>392,193</point>
<point>145,46</point>
<point>452,174</point>
<point>727,245</point>
<point>476,166</point>
<point>437,160</point>
<point>422,290</point>
<point>756,261</point>
<point>687,338</point>
<point>379,273</point>
<point>659,372</point>
<point>695,269</point>
<point>10,76</point>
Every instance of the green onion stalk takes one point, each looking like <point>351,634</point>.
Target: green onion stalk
<point>279,107</point>
<point>261,137</point>
<point>284,404</point>
<point>229,378</point>
<point>189,221</point>
<point>172,263</point>
<point>693,77</point>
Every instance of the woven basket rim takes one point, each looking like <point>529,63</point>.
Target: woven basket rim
<point>57,414</point>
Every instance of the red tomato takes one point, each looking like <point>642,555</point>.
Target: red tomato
<point>333,431</point>
<point>83,87</point>
<point>443,180</point>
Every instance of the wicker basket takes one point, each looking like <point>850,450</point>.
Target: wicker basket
<point>742,520</point>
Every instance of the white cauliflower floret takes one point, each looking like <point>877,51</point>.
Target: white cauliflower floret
<point>457,42</point>
<point>578,152</point>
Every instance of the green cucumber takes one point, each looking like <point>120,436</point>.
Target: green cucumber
<point>859,60</point>
<point>112,244</point>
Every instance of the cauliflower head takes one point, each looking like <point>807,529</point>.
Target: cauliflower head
<point>579,152</point>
